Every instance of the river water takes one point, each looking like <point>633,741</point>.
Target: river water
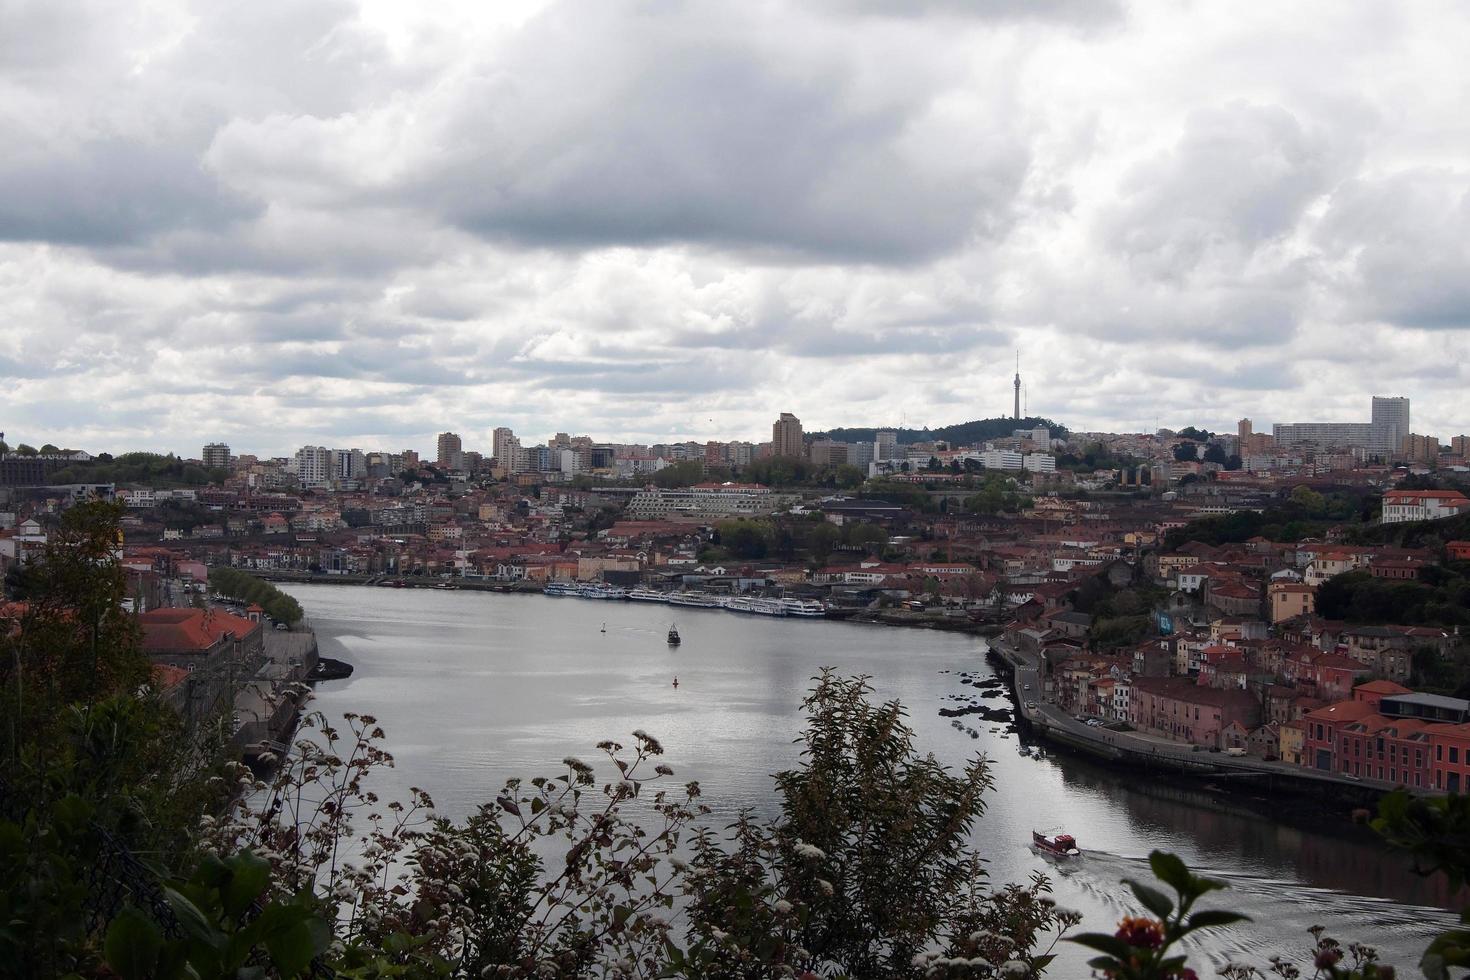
<point>474,688</point>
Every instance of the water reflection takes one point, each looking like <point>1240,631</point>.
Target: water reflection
<point>474,688</point>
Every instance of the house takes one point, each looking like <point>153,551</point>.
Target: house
<point>1287,599</point>
<point>187,637</point>
<point>1290,735</point>
<point>1264,742</point>
<point>1422,505</point>
<point>1178,708</point>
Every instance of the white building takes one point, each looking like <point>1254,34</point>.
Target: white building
<point>1003,459</point>
<point>708,501</point>
<point>313,466</point>
<point>1040,463</point>
<point>1422,505</point>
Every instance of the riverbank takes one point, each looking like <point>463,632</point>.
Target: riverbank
<point>1140,753</point>
<point>914,619</point>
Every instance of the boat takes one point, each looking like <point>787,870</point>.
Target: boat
<point>767,607</point>
<point>737,603</point>
<point>701,599</point>
<point>604,627</point>
<point>445,586</point>
<point>673,636</point>
<point>803,607</point>
<point>562,588</point>
<point>1059,846</point>
<point>648,595</point>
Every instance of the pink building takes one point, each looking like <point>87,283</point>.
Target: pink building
<point>1178,708</point>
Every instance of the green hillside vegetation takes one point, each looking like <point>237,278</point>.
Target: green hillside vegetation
<point>242,585</point>
<point>1441,597</point>
<point>1414,534</point>
<point>1305,513</point>
<point>960,434</point>
<point>145,469</point>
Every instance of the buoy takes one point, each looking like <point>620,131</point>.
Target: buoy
<point>604,627</point>
<point>676,682</point>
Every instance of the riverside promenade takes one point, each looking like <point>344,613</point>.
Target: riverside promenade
<point>1148,752</point>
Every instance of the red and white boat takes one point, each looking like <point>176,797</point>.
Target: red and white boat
<point>1060,846</point>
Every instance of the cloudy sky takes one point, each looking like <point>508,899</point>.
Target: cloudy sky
<point>360,223</point>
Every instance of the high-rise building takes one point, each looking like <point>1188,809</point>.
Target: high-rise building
<point>1391,417</point>
<point>786,437</point>
<point>507,450</point>
<point>313,466</point>
<point>1383,436</point>
<point>448,451</point>
<point>348,464</point>
<point>1460,446</point>
<point>885,446</point>
<point>1420,449</point>
<point>216,456</point>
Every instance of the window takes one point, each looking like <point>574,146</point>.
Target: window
<point>1454,753</point>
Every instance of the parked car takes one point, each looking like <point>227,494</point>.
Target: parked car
<point>1031,705</point>
<point>1236,751</point>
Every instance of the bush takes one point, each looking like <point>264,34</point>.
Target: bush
<point>247,588</point>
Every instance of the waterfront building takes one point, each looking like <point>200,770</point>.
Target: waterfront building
<point>786,437</point>
<point>1180,709</point>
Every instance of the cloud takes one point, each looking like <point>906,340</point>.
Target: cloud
<point>340,221</point>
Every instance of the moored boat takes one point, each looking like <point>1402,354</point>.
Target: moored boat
<point>1058,846</point>
<point>674,638</point>
<point>803,607</point>
<point>701,599</point>
<point>561,588</point>
<point>648,595</point>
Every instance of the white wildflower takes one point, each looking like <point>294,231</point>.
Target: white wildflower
<point>1014,968</point>
<point>783,907</point>
<point>809,851</point>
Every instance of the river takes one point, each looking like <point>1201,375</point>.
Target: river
<point>474,688</point>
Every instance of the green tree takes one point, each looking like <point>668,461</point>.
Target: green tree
<point>745,539</point>
<point>820,541</point>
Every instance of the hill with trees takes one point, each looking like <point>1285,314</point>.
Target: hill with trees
<point>146,469</point>
<point>960,434</point>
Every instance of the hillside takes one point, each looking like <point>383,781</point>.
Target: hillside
<point>960,434</point>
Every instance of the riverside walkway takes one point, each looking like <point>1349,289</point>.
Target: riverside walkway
<point>1052,723</point>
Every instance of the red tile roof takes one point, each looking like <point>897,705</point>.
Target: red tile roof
<point>190,630</point>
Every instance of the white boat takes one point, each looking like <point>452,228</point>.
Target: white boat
<point>701,599</point>
<point>737,603</point>
<point>803,607</point>
<point>648,595</point>
<point>562,588</point>
<point>767,607</point>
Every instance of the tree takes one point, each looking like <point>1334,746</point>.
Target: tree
<point>1186,452</point>
<point>820,541</point>
<point>24,450</point>
<point>1308,500</point>
<point>870,537</point>
<point>1215,454</point>
<point>745,539</point>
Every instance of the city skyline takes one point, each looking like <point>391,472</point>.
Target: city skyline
<point>363,224</point>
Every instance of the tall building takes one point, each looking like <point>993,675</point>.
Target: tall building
<point>1460,446</point>
<point>506,448</point>
<point>885,446</point>
<point>348,464</point>
<point>1391,415</point>
<point>216,456</point>
<point>1420,449</point>
<point>313,466</point>
<point>448,451</point>
<point>786,436</point>
<point>1383,435</point>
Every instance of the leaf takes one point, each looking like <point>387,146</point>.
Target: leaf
<point>1170,870</point>
<point>536,805</point>
<point>249,876</point>
<point>509,806</point>
<point>1215,917</point>
<point>194,923</point>
<point>132,945</point>
<point>293,948</point>
<point>1104,943</point>
<point>1154,900</point>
